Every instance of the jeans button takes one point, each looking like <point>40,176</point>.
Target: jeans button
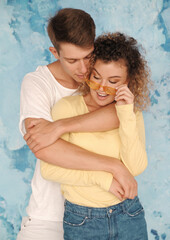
<point>110,211</point>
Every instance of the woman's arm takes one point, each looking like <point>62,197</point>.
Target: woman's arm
<point>80,158</point>
<point>132,136</point>
<point>76,177</point>
<point>131,132</point>
<point>85,178</point>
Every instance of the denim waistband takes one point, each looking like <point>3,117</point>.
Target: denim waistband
<point>91,212</point>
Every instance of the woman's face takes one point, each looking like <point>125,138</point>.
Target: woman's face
<point>111,74</point>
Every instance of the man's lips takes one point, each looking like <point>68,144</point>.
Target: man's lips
<point>80,76</point>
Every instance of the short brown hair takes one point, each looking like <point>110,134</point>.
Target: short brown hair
<point>71,25</point>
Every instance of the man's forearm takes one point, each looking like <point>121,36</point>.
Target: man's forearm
<point>67,155</point>
<point>103,119</point>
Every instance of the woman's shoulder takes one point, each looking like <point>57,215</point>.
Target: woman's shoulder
<point>67,102</point>
<point>72,99</point>
<point>68,107</point>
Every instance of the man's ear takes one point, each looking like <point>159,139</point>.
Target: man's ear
<point>54,51</point>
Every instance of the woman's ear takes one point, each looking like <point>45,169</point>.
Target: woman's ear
<point>54,51</point>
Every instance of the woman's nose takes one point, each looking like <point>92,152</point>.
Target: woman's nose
<point>102,83</point>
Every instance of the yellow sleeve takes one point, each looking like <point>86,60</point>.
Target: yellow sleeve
<point>63,109</point>
<point>132,137</point>
<point>76,177</point>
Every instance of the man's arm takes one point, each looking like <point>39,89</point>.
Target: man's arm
<point>42,133</point>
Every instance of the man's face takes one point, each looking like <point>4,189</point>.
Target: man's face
<point>75,60</point>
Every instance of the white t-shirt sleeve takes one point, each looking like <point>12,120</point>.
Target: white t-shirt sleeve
<point>34,100</point>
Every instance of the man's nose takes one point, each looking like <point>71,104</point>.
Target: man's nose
<point>83,67</point>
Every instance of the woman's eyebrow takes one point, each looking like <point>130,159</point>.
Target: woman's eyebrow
<point>96,71</point>
<point>115,77</point>
<point>108,77</point>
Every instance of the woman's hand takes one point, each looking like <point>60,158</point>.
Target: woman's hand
<point>124,95</point>
<point>117,189</point>
<point>128,183</point>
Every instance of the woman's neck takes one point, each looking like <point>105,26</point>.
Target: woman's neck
<point>90,103</point>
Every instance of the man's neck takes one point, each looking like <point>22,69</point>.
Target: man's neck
<point>64,79</point>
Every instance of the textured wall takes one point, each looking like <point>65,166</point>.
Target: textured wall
<point>24,45</point>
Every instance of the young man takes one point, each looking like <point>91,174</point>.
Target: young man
<point>72,33</point>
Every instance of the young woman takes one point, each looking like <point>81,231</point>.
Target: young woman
<point>118,75</point>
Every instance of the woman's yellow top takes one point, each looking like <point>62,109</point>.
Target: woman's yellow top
<point>127,143</point>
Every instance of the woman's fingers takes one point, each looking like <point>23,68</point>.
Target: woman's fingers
<point>126,99</point>
<point>116,189</point>
<point>124,95</point>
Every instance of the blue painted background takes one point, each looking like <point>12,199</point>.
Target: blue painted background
<point>24,45</point>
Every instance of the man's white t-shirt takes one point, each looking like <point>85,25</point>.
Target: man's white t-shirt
<point>39,92</point>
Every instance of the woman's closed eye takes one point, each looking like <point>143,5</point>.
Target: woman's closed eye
<point>112,82</point>
<point>96,77</point>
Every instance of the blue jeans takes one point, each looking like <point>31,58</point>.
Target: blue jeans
<point>124,221</point>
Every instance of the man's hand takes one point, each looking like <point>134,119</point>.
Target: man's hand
<point>42,133</point>
<point>126,180</point>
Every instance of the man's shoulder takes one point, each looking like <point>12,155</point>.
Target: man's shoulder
<point>40,78</point>
<point>40,72</point>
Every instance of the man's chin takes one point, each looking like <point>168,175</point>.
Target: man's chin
<point>79,79</point>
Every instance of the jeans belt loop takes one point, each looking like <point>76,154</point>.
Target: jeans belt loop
<point>89,212</point>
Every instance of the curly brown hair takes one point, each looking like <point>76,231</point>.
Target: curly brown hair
<point>117,46</point>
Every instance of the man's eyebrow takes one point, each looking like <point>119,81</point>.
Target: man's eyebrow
<point>89,55</point>
<point>70,58</point>
<point>67,58</point>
